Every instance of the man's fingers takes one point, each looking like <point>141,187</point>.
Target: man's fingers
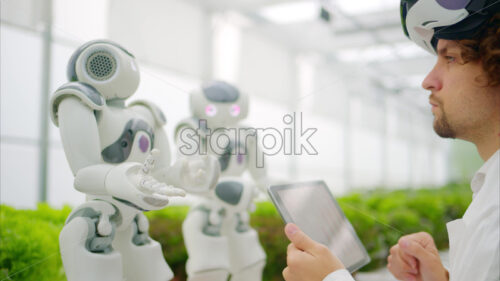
<point>292,250</point>
<point>399,268</point>
<point>299,239</point>
<point>286,273</point>
<point>407,259</point>
<point>411,261</point>
<point>409,277</point>
<point>404,266</point>
<point>423,238</point>
<point>413,248</point>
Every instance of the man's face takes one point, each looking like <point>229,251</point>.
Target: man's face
<point>461,101</point>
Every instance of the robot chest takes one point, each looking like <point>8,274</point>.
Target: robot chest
<point>233,160</point>
<point>127,138</point>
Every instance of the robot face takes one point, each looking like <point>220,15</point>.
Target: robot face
<point>235,110</point>
<point>210,110</point>
<point>108,68</point>
<point>221,104</point>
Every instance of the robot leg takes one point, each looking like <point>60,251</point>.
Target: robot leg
<point>142,256</point>
<point>207,249</point>
<point>251,273</point>
<point>247,255</point>
<point>85,243</point>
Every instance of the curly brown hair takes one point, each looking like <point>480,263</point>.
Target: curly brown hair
<point>485,47</point>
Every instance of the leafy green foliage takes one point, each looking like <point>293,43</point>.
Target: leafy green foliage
<point>381,217</point>
<point>29,238</point>
<point>29,248</point>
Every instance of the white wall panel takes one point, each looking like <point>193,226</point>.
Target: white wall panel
<point>327,165</point>
<point>26,13</point>
<point>80,20</point>
<point>330,94</point>
<point>399,164</point>
<point>21,54</point>
<point>19,175</point>
<point>169,33</point>
<point>367,158</point>
<point>267,70</point>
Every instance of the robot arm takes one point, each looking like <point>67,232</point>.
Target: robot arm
<point>79,134</point>
<point>126,181</point>
<point>80,138</point>
<point>194,173</point>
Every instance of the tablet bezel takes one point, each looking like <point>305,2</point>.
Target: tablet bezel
<point>273,193</point>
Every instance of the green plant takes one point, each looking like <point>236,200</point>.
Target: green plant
<point>29,238</point>
<point>29,243</point>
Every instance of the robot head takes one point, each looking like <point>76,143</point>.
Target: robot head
<point>106,66</point>
<point>221,104</point>
<point>427,21</point>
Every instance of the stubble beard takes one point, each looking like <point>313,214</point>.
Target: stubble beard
<point>442,127</point>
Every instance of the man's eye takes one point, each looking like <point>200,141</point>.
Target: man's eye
<point>450,58</point>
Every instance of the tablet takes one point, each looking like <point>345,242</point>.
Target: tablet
<point>311,206</point>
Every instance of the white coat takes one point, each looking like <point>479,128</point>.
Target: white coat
<point>475,239</point>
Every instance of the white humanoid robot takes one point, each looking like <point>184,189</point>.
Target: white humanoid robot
<point>219,241</point>
<point>120,158</point>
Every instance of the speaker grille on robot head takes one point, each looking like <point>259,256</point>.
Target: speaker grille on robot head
<point>101,65</point>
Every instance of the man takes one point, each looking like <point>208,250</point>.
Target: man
<point>465,100</point>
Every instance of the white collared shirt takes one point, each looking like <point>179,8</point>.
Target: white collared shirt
<point>339,275</point>
<point>475,238</point>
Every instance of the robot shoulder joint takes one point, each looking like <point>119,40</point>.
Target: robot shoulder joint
<point>190,123</point>
<point>158,115</point>
<point>86,93</point>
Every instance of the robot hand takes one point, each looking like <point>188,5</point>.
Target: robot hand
<point>150,185</point>
<point>132,183</point>
<point>197,174</point>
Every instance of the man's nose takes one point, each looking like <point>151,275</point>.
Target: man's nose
<point>432,82</point>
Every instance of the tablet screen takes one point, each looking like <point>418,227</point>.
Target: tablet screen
<point>312,207</point>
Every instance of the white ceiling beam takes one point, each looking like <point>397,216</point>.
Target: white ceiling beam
<point>239,5</point>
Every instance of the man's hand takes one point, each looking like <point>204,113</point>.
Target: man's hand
<point>416,258</point>
<point>307,260</point>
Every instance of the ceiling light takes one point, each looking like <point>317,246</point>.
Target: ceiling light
<point>360,7</point>
<point>291,12</point>
<point>367,54</point>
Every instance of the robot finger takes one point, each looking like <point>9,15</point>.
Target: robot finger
<point>104,227</point>
<point>155,153</point>
<point>196,164</point>
<point>160,196</point>
<point>200,174</point>
<point>149,163</point>
<point>171,191</point>
<point>148,183</point>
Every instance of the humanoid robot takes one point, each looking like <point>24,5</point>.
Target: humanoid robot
<point>219,241</point>
<point>119,155</point>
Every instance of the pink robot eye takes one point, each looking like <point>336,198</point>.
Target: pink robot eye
<point>235,110</point>
<point>210,110</point>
